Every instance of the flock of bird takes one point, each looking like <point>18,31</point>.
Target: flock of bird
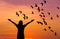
<point>24,15</point>
<point>42,15</point>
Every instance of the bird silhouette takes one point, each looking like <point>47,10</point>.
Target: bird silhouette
<point>39,22</point>
<point>32,6</point>
<point>20,11</point>
<point>45,22</point>
<point>42,4</point>
<point>51,18</point>
<point>40,15</point>
<point>43,15</point>
<point>51,30</point>
<point>48,13</point>
<point>45,29</point>
<point>42,9</point>
<point>32,12</point>
<point>55,33</point>
<point>26,17</point>
<point>17,14</point>
<point>43,19</point>
<point>58,16</point>
<point>49,27</point>
<point>38,9</point>
<point>44,1</point>
<point>36,5</point>
<point>58,8</point>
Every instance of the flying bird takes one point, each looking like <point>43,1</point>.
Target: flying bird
<point>42,9</point>
<point>45,29</point>
<point>32,12</point>
<point>42,4</point>
<point>51,30</point>
<point>48,13</point>
<point>43,19</point>
<point>55,33</point>
<point>20,11</point>
<point>44,1</point>
<point>51,18</point>
<point>43,15</point>
<point>40,15</point>
<point>39,22</point>
<point>36,5</point>
<point>26,17</point>
<point>38,9</point>
<point>17,14</point>
<point>58,16</point>
<point>32,6</point>
<point>49,27</point>
<point>58,8</point>
<point>45,22</point>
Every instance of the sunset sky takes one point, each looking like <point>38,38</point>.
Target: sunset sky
<point>8,9</point>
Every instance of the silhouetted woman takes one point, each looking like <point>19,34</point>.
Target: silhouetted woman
<point>20,27</point>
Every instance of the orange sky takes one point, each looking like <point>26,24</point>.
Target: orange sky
<point>33,30</point>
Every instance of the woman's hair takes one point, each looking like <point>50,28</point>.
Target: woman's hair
<point>20,22</point>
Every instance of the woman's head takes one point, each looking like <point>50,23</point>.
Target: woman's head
<point>20,22</point>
